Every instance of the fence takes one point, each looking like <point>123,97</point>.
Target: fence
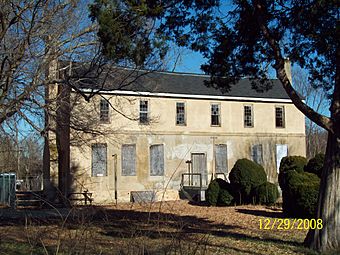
<point>7,189</point>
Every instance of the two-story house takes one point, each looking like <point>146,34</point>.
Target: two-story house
<point>165,124</point>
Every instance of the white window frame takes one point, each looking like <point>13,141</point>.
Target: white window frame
<point>283,116</point>
<point>147,112</point>
<point>104,114</point>
<point>219,114</point>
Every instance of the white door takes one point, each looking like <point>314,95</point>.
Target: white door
<point>281,151</point>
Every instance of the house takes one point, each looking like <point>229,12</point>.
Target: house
<point>166,124</point>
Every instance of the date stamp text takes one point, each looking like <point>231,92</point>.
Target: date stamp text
<point>286,224</point>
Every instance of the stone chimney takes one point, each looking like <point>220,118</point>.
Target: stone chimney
<point>288,70</point>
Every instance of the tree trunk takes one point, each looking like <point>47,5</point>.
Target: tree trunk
<point>328,238</point>
<point>63,138</point>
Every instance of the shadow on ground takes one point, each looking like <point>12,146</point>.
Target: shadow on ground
<point>120,224</point>
<point>261,213</point>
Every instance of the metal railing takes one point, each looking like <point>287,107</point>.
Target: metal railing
<point>192,180</point>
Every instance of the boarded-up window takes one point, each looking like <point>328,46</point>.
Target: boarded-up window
<point>157,160</point>
<point>128,159</point>
<point>257,153</point>
<point>221,158</point>
<point>281,151</point>
<point>99,159</point>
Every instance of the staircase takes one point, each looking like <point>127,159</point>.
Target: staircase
<point>29,199</point>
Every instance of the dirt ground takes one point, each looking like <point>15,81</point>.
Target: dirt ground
<point>175,227</point>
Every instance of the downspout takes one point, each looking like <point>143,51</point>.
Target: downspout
<point>115,176</point>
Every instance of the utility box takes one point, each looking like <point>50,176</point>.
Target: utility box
<point>7,189</point>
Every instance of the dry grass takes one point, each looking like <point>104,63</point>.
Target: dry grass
<point>159,228</point>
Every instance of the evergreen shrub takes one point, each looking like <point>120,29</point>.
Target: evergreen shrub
<point>266,193</point>
<point>244,177</point>
<point>219,193</point>
<point>315,164</point>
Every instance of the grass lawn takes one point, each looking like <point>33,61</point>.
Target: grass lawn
<point>159,228</point>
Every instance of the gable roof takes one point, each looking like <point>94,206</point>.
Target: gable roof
<point>125,80</point>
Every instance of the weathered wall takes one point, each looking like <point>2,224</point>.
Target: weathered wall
<point>180,141</point>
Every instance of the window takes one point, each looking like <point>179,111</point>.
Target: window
<point>99,159</point>
<point>221,158</point>
<point>248,116</point>
<point>257,153</point>
<point>180,114</point>
<point>215,115</point>
<point>143,112</point>
<point>281,152</point>
<point>157,160</point>
<point>104,110</point>
<point>128,159</point>
<point>280,116</point>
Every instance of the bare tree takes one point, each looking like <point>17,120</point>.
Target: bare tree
<point>316,137</point>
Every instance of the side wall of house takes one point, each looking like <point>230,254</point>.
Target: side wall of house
<point>181,143</point>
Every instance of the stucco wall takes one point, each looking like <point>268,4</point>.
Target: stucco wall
<point>180,141</point>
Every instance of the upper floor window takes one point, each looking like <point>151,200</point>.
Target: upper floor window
<point>99,159</point>
<point>144,111</point>
<point>180,114</point>
<point>280,116</point>
<point>215,115</point>
<point>104,110</point>
<point>248,116</point>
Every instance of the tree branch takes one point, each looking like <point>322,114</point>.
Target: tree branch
<point>279,66</point>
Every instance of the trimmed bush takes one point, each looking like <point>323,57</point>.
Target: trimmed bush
<point>315,164</point>
<point>224,198</point>
<point>218,193</point>
<point>300,194</point>
<point>244,177</point>
<point>296,163</point>
<point>266,193</point>
<point>212,192</point>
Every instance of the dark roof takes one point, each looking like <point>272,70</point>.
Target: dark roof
<point>124,79</point>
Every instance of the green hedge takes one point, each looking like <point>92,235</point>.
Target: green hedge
<point>244,177</point>
<point>296,163</point>
<point>212,192</point>
<point>300,194</point>
<point>219,193</point>
<point>315,164</point>
<point>266,193</point>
